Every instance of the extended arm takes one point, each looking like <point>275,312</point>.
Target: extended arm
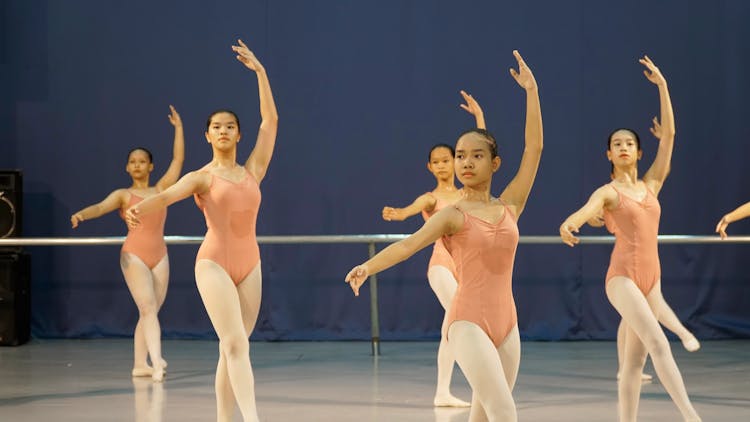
<point>260,158</point>
<point>517,191</point>
<point>447,221</point>
<point>741,212</point>
<point>591,209</point>
<point>113,201</point>
<point>659,170</point>
<point>191,183</point>
<point>425,202</point>
<point>178,152</point>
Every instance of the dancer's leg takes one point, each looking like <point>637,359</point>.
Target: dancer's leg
<point>510,356</point>
<point>222,301</point>
<point>160,275</point>
<point>249,293</point>
<point>621,330</point>
<point>637,312</point>
<point>481,363</point>
<point>668,319</point>
<point>141,285</point>
<point>444,285</point>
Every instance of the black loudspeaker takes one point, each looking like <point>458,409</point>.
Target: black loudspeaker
<point>15,298</point>
<point>11,196</point>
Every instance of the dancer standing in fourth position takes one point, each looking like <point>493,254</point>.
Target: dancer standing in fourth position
<point>143,259</point>
<point>481,234</point>
<point>441,270</point>
<point>227,268</point>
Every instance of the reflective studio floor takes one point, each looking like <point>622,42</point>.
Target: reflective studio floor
<point>89,380</point>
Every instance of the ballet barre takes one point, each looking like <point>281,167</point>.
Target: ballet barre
<point>369,239</point>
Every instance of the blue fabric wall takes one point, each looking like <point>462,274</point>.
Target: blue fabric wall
<point>363,89</point>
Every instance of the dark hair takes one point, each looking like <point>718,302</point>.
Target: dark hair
<point>609,142</point>
<point>211,116</point>
<point>436,146</point>
<point>634,133</point>
<point>150,157</point>
<point>484,133</point>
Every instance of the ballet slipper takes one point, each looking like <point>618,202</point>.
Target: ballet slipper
<point>692,344</point>
<point>449,401</point>
<point>142,371</point>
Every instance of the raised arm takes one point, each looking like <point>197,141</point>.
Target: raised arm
<point>189,184</point>
<point>446,221</point>
<point>604,196</point>
<point>113,201</point>
<point>260,158</point>
<point>659,170</point>
<point>743,211</point>
<point>425,202</point>
<point>473,108</point>
<point>178,152</point>
<point>517,191</point>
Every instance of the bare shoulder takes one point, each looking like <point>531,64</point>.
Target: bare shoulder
<point>122,195</point>
<point>200,179</point>
<point>427,200</point>
<point>451,217</point>
<point>607,194</point>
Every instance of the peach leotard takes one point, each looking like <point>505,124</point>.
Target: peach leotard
<point>231,210</point>
<point>147,240</point>
<point>440,255</point>
<point>484,254</point>
<point>636,227</point>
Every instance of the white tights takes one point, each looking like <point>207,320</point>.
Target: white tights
<point>644,336</point>
<point>666,317</point>
<point>149,289</point>
<point>233,311</point>
<point>491,371</point>
<point>444,284</point>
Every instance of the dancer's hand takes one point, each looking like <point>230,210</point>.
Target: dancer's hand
<point>597,220</point>
<point>524,77</point>
<point>247,57</point>
<point>392,214</point>
<point>357,277</point>
<point>566,233</point>
<point>131,217</point>
<point>656,128</point>
<point>721,227</point>
<point>75,219</point>
<point>652,72</point>
<point>174,117</point>
<point>471,106</point>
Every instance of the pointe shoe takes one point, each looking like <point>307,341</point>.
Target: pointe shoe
<point>449,401</point>
<point>691,345</point>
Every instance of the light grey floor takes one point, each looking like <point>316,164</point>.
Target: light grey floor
<point>88,380</point>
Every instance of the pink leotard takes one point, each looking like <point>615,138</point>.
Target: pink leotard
<point>231,210</point>
<point>440,255</point>
<point>636,227</point>
<point>147,240</point>
<point>484,254</point>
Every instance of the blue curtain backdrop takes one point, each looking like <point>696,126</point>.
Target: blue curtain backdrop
<point>363,90</point>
